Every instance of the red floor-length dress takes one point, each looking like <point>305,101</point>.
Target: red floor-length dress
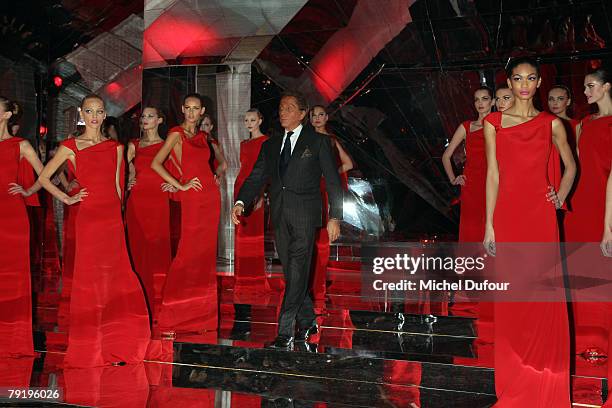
<point>322,249</point>
<point>108,319</point>
<point>472,221</point>
<point>584,224</point>
<point>189,299</point>
<point>148,224</point>
<point>531,338</point>
<point>250,263</point>
<point>68,248</point>
<point>473,208</point>
<point>15,292</point>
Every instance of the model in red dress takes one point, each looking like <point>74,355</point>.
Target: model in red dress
<point>218,162</point>
<point>109,322</point>
<point>250,263</point>
<point>189,299</point>
<point>15,292</point>
<point>606,249</point>
<point>472,181</point>
<point>584,221</point>
<point>531,338</point>
<point>148,211</point>
<point>318,119</point>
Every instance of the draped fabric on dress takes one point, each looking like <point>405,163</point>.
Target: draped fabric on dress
<point>584,224</point>
<point>250,263</point>
<point>147,217</point>
<point>15,291</point>
<point>531,338</point>
<point>108,315</point>
<point>189,299</point>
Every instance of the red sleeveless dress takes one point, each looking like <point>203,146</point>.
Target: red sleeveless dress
<point>531,338</point>
<point>189,299</point>
<point>318,278</point>
<point>15,291</point>
<point>584,224</point>
<point>148,226</point>
<point>250,264</point>
<point>108,314</point>
<point>473,208</point>
<point>68,248</point>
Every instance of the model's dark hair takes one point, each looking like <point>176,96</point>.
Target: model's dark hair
<point>312,108</point>
<point>485,88</point>
<point>194,95</point>
<point>257,111</point>
<point>561,86</point>
<point>15,109</point>
<point>301,101</point>
<point>515,62</point>
<point>92,96</point>
<point>603,75</point>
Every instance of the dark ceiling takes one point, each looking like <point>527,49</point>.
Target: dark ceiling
<point>49,29</point>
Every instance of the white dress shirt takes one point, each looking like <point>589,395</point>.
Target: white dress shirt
<point>294,137</point>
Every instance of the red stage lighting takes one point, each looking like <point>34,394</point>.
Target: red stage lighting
<point>42,130</point>
<point>58,81</point>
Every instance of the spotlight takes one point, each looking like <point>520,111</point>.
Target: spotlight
<point>58,81</point>
<point>42,130</point>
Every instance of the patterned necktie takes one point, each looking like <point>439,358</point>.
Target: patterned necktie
<point>285,155</point>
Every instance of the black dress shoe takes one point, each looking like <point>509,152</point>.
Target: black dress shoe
<point>282,342</point>
<point>304,334</point>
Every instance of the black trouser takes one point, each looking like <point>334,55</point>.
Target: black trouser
<point>295,237</point>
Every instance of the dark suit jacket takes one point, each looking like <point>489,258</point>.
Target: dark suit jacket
<point>298,193</point>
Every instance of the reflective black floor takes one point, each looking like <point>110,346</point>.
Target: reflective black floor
<point>367,354</point>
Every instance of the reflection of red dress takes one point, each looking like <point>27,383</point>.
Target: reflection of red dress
<point>249,269</point>
<point>15,293</point>
<point>531,339</point>
<point>108,314</point>
<point>472,221</point>
<point>189,300</point>
<point>148,224</point>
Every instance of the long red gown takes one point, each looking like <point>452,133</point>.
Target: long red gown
<point>109,322</point>
<point>15,292</point>
<point>148,225</point>
<point>322,250</point>
<point>531,338</point>
<point>584,223</point>
<point>250,263</point>
<point>473,208</point>
<point>68,248</point>
<point>189,299</point>
<point>472,221</point>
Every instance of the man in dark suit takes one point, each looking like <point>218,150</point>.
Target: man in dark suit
<point>293,162</point>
